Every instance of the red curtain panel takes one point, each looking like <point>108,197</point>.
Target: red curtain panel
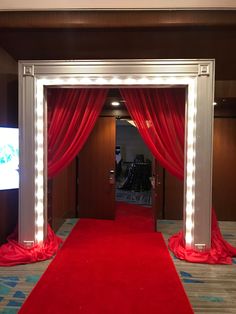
<point>71,118</point>
<point>13,253</point>
<point>159,117</point>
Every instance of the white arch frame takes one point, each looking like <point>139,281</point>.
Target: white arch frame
<point>196,75</point>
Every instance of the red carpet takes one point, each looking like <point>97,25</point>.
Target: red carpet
<point>111,267</point>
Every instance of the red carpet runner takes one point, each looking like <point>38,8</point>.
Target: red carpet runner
<point>111,267</point>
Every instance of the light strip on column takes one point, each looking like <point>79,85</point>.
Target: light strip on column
<point>107,81</point>
<point>190,171</point>
<point>39,165</point>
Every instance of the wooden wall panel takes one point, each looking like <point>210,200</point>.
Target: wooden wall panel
<point>173,198</point>
<point>224,168</point>
<point>224,174</point>
<point>226,108</point>
<point>8,213</point>
<point>8,117</point>
<point>225,89</point>
<point>63,196</point>
<point>157,43</point>
<point>8,90</point>
<point>117,18</point>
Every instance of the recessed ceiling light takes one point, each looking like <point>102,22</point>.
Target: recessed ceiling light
<point>115,103</point>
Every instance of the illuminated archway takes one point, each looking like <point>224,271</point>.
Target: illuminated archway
<point>198,78</point>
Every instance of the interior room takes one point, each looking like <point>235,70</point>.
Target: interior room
<point>132,185</point>
<point>134,165</point>
<point>93,35</point>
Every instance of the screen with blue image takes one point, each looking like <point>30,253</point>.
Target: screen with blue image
<point>9,158</point>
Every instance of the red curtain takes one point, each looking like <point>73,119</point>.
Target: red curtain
<point>72,115</point>
<point>159,117</point>
<point>13,253</point>
<point>221,251</point>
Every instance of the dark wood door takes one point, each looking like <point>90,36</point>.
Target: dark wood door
<point>96,182</point>
<point>157,191</point>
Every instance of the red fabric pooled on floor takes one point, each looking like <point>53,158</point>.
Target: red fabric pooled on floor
<point>221,252</point>
<point>13,253</point>
<point>109,267</point>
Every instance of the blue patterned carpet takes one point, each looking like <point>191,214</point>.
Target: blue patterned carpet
<point>203,283</point>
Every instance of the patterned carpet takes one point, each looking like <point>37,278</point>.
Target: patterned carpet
<point>17,282</point>
<point>209,288</point>
<point>133,197</point>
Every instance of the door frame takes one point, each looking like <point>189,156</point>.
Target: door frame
<point>196,75</point>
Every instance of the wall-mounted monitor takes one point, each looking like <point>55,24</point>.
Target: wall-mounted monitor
<point>9,158</point>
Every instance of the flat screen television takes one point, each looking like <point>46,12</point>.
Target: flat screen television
<point>9,158</point>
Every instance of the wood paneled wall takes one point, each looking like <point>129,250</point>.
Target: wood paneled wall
<point>224,168</point>
<point>8,213</point>
<point>8,90</point>
<point>8,117</point>
<point>62,196</point>
<point>173,197</point>
<point>121,19</point>
<point>169,43</point>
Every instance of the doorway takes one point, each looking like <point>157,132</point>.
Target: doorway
<point>133,165</point>
<point>107,174</point>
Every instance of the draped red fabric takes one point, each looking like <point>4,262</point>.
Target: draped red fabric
<point>221,251</point>
<point>72,116</point>
<point>13,253</point>
<point>159,117</point>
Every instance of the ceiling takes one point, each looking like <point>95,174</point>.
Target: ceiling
<point>122,35</point>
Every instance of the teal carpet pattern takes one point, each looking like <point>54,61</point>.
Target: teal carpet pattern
<point>205,285</point>
<point>133,197</point>
<point>17,282</point>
